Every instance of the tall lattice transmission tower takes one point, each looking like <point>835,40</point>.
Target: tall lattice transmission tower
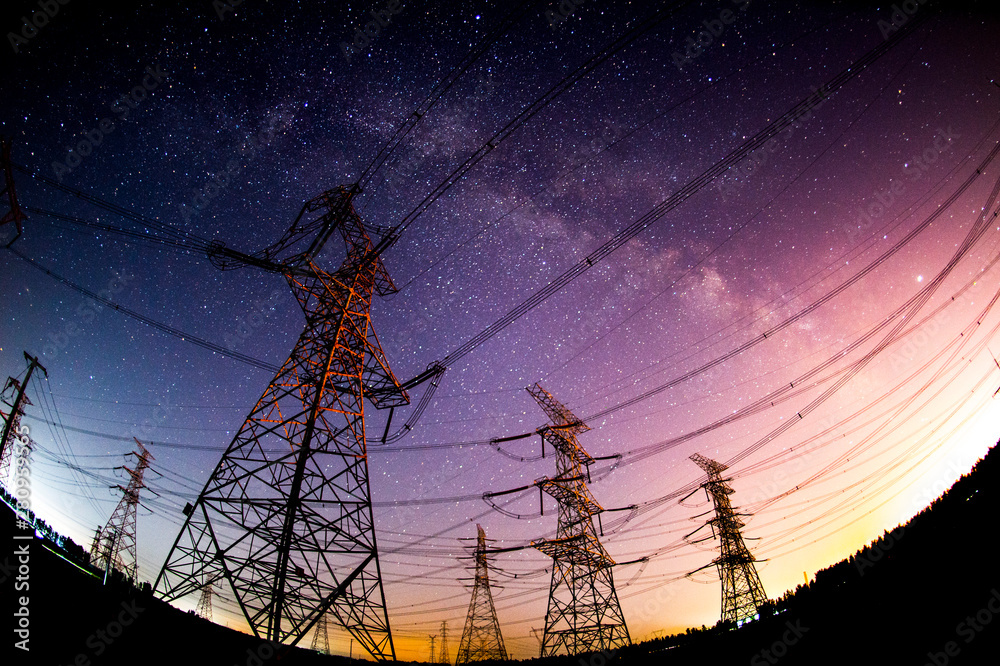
<point>481,638</point>
<point>742,593</point>
<point>285,520</point>
<point>12,404</point>
<point>205,603</point>
<point>13,400</point>
<point>118,538</point>
<point>321,636</point>
<point>583,612</point>
<point>443,657</point>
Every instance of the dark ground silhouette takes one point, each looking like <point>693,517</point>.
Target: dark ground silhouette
<point>926,593</point>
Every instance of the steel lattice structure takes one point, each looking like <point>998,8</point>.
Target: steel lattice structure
<point>584,614</point>
<point>481,638</point>
<point>286,517</point>
<point>14,396</point>
<point>742,592</point>
<point>443,657</point>
<point>321,636</point>
<point>119,535</point>
<point>15,401</point>
<point>205,603</point>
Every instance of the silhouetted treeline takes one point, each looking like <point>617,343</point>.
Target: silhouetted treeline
<point>927,592</point>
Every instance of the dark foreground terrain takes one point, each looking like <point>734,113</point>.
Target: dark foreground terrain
<point>926,593</point>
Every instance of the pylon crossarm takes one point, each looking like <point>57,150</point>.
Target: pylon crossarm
<point>565,444</point>
<point>571,494</point>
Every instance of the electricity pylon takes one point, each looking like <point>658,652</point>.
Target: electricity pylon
<point>583,612</point>
<point>95,546</point>
<point>321,637</point>
<point>481,639</point>
<point>15,399</point>
<point>119,534</point>
<point>286,517</point>
<point>443,656</point>
<point>742,592</point>
<point>205,603</point>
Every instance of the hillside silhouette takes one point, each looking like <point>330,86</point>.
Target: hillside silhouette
<point>927,592</point>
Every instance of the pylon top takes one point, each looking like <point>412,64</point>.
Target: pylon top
<point>709,465</point>
<point>561,416</point>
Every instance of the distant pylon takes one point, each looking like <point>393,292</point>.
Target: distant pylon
<point>481,639</point>
<point>286,516</point>
<point>95,546</point>
<point>443,656</point>
<point>538,634</point>
<point>205,603</point>
<point>433,637</point>
<point>584,614</point>
<point>321,638</point>
<point>119,534</point>
<point>742,592</point>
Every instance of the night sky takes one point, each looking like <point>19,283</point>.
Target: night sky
<point>224,120</point>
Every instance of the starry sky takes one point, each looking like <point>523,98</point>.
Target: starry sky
<point>871,392</point>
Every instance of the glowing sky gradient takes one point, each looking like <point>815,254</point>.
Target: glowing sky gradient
<point>772,236</point>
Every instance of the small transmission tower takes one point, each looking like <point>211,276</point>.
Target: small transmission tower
<point>742,593</point>
<point>321,637</point>
<point>481,639</point>
<point>433,638</point>
<point>443,656</point>
<point>583,613</point>
<point>205,603</point>
<point>286,516</point>
<point>120,532</point>
<point>95,546</point>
